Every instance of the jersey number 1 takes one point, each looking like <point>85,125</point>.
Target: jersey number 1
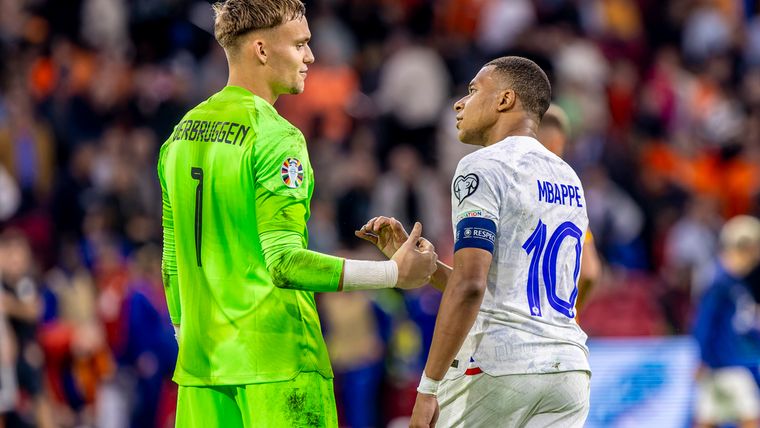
<point>535,245</point>
<point>197,174</point>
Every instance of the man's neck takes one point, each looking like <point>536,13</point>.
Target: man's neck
<point>523,128</point>
<point>255,84</point>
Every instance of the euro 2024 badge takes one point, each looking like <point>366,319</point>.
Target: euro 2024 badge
<point>465,185</point>
<point>292,172</point>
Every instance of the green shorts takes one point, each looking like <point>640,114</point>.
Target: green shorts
<point>308,400</point>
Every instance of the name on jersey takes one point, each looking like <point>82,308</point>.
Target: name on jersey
<point>563,194</point>
<point>211,132</point>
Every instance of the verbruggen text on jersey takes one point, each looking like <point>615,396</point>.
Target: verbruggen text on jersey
<point>211,132</point>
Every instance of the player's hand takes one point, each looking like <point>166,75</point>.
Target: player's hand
<point>415,260</point>
<point>386,233</point>
<point>426,411</point>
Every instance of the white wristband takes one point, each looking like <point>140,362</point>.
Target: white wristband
<point>176,332</point>
<point>428,386</point>
<point>366,275</point>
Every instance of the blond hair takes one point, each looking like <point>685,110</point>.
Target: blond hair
<point>555,116</point>
<point>234,18</point>
<point>740,232</point>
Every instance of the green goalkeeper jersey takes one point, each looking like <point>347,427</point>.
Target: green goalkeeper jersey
<point>236,184</point>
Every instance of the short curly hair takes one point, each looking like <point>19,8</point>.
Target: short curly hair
<point>528,81</point>
<point>234,18</point>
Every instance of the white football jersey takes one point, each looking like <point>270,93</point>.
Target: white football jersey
<point>526,322</point>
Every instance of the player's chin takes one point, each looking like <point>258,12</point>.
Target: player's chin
<point>462,136</point>
<point>469,138</point>
<point>296,89</point>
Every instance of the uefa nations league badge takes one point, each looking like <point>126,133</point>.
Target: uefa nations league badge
<point>292,172</point>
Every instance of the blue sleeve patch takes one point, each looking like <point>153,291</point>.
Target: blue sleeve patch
<point>475,232</point>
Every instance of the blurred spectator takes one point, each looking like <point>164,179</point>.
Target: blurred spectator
<point>73,192</point>
<point>691,244</point>
<point>616,218</point>
<point>26,148</point>
<point>7,363</point>
<point>148,350</point>
<point>10,197</point>
<point>23,306</point>
<point>104,25</point>
<point>78,360</point>
<point>502,22</point>
<point>727,328</point>
<point>689,249</point>
<point>409,192</point>
<point>706,31</point>
<point>354,203</point>
<point>414,85</point>
<point>752,46</point>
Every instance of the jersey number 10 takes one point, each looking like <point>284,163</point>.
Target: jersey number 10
<point>535,246</point>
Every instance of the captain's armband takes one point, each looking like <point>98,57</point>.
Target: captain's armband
<point>475,232</point>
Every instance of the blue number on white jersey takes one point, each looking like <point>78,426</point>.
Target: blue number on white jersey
<point>535,245</point>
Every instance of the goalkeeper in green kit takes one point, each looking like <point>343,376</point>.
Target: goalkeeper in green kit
<point>236,185</point>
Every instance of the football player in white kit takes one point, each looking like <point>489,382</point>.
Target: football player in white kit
<point>507,351</point>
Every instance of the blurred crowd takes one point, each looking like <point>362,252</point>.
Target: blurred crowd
<point>663,99</point>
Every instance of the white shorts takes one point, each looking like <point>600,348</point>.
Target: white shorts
<point>529,400</point>
<point>727,395</point>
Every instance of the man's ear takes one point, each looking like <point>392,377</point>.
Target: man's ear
<point>507,99</point>
<point>260,50</point>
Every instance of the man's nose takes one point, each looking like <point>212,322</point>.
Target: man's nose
<point>309,56</point>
